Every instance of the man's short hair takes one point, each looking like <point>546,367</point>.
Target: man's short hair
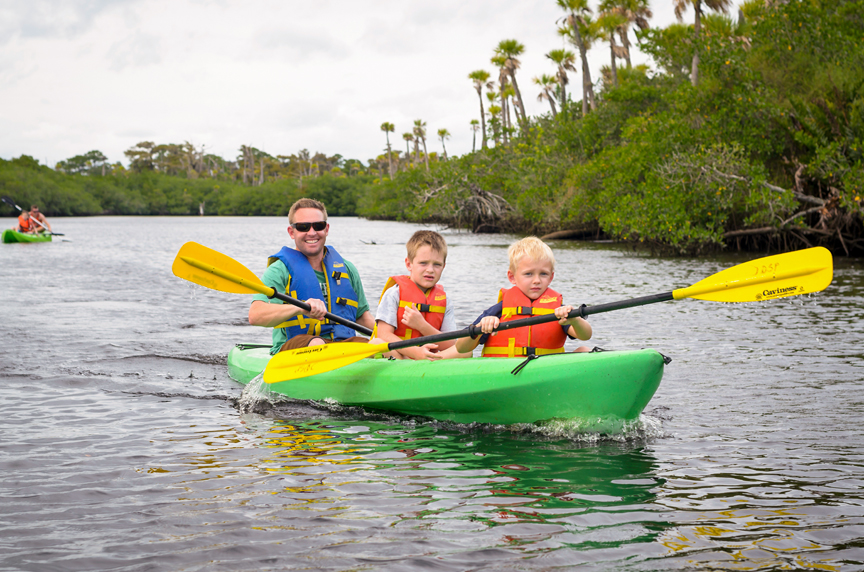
<point>34,207</point>
<point>305,203</point>
<point>532,247</point>
<point>426,238</point>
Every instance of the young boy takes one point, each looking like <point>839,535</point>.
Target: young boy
<point>532,267</point>
<point>416,305</point>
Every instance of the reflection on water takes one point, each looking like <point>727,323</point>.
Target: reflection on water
<point>537,496</point>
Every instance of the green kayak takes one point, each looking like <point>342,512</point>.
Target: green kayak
<point>10,236</point>
<point>588,386</point>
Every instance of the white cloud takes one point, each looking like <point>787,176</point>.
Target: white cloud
<point>282,76</point>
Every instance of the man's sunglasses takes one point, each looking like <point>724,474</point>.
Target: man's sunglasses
<point>305,226</point>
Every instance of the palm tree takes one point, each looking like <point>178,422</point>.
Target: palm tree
<point>636,11</point>
<point>388,128</point>
<point>680,7</point>
<point>420,133</point>
<point>408,137</point>
<point>565,60</point>
<point>475,125</point>
<point>510,49</point>
<point>546,82</point>
<point>607,25</point>
<point>501,62</point>
<point>442,135</point>
<point>576,30</point>
<point>494,119</point>
<point>480,77</point>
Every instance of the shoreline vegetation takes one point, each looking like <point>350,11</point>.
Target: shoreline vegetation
<point>747,133</point>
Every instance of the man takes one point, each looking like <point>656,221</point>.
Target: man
<point>316,274</point>
<point>35,215</point>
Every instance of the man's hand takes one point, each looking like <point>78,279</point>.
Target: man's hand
<point>317,310</point>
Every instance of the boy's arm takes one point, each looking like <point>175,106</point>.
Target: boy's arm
<point>488,321</point>
<point>579,327</point>
<point>387,333</point>
<point>414,319</point>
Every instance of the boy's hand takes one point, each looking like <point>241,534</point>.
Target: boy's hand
<point>562,312</point>
<point>413,318</point>
<point>488,324</point>
<point>422,352</point>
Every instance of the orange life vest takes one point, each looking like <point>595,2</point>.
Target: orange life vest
<point>24,224</point>
<point>540,339</point>
<point>431,304</point>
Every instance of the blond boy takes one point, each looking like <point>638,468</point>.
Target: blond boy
<point>532,267</point>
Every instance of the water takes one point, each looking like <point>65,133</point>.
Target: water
<point>124,448</point>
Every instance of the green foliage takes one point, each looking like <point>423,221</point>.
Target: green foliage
<point>149,192</point>
<point>779,105</point>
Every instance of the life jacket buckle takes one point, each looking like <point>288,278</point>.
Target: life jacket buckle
<point>523,310</point>
<point>423,308</point>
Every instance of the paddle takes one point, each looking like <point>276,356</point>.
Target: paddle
<point>778,276</point>
<point>228,275</point>
<point>9,202</point>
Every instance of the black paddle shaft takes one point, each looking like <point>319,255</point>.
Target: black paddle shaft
<point>580,312</point>
<point>328,315</point>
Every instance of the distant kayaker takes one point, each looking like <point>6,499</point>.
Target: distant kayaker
<point>317,274</point>
<point>532,267</point>
<point>25,225</point>
<point>416,305</point>
<point>38,217</point>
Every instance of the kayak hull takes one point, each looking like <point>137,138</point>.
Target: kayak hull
<point>11,236</point>
<point>590,386</point>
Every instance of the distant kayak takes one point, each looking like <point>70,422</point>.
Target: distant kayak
<point>10,236</point>
<point>484,390</point>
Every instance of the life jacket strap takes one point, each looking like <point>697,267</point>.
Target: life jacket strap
<point>425,308</point>
<point>524,311</point>
<point>513,351</point>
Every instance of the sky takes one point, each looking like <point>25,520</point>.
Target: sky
<point>79,75</point>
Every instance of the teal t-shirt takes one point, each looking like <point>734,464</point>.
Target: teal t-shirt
<point>276,276</point>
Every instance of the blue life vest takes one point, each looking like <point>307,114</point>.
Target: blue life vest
<point>341,299</point>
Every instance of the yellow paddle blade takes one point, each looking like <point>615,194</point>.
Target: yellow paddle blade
<point>211,269</point>
<point>303,362</point>
<point>789,274</point>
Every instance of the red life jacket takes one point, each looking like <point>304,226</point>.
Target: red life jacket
<point>431,304</point>
<point>25,224</point>
<point>540,339</point>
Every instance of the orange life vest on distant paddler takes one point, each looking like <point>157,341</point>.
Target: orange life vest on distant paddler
<point>24,223</point>
<point>431,304</point>
<point>540,339</point>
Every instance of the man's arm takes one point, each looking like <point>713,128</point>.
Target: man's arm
<point>367,320</point>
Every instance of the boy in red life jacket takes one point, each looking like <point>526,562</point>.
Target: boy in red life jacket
<point>416,305</point>
<point>24,223</point>
<point>532,267</point>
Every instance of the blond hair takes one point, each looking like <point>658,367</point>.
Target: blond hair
<point>305,203</point>
<point>428,238</point>
<point>533,248</point>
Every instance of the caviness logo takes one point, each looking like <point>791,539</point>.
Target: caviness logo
<point>780,292</point>
<point>338,265</point>
<point>547,299</point>
<point>441,297</point>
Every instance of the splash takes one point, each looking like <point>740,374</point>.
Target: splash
<point>596,430</point>
<point>256,395</point>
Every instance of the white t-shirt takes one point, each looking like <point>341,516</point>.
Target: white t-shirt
<point>389,304</point>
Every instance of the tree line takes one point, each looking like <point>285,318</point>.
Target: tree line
<point>748,133</point>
